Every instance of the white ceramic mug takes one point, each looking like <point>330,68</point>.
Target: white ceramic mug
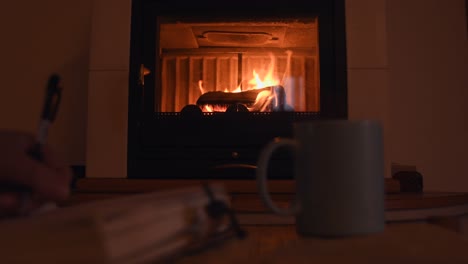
<point>339,173</point>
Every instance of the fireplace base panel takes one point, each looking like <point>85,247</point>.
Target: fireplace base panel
<point>213,145</point>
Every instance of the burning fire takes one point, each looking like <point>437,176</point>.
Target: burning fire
<point>264,98</point>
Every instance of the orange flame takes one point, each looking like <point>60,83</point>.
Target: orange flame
<point>200,86</point>
<point>268,80</point>
<point>264,98</point>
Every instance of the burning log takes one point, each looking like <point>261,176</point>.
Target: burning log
<point>263,99</point>
<point>225,98</point>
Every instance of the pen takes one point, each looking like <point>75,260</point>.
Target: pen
<point>48,114</point>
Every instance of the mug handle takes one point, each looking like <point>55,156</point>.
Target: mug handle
<point>262,169</point>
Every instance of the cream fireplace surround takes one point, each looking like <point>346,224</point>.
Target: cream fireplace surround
<point>106,143</point>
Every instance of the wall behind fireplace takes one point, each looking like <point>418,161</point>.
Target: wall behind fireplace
<point>36,39</point>
<point>428,66</point>
<point>406,66</point>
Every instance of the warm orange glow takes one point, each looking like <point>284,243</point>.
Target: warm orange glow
<point>200,86</point>
<point>214,108</point>
<point>264,98</point>
<point>269,79</point>
<point>237,90</point>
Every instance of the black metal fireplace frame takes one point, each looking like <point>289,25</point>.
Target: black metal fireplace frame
<point>157,152</point>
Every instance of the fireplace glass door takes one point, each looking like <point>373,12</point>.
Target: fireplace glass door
<point>267,65</point>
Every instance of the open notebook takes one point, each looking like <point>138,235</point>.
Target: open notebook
<point>139,228</point>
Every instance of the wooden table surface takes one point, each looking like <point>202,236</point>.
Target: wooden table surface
<point>246,202</point>
<point>399,243</point>
<point>403,241</point>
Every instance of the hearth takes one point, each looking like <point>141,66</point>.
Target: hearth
<point>211,84</point>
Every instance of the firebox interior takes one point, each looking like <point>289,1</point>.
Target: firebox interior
<point>231,58</point>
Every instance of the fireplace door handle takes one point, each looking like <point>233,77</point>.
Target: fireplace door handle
<point>141,76</point>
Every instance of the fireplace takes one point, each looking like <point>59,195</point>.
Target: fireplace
<point>210,85</point>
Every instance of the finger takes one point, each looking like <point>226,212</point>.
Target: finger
<point>45,182</point>
<point>43,208</point>
<point>15,158</point>
<point>19,204</point>
<point>49,179</point>
<point>51,159</point>
<point>59,173</point>
<point>30,203</point>
<point>9,203</point>
<point>56,162</point>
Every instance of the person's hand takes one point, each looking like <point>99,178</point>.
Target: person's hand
<point>48,180</point>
